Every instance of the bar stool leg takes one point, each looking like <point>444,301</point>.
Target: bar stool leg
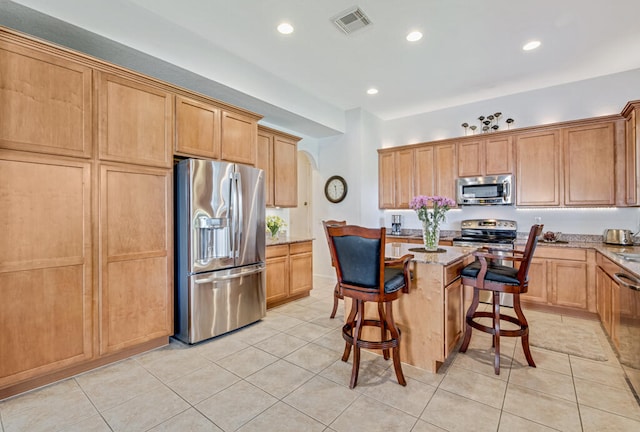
<point>336,296</point>
<point>351,323</point>
<point>524,325</point>
<point>357,334</point>
<point>383,329</point>
<point>395,334</point>
<point>496,329</point>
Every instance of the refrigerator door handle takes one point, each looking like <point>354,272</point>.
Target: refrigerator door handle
<point>239,212</point>
<point>230,276</point>
<point>233,209</point>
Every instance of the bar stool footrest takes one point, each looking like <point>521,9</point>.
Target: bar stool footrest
<point>347,332</point>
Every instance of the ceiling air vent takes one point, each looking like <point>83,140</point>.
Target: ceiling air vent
<point>351,20</point>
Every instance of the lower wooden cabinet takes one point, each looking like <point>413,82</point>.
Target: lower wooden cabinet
<point>289,272</point>
<point>46,315</point>
<point>559,276</point>
<point>136,251</point>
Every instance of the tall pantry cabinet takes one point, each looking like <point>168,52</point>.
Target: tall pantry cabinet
<point>86,259</point>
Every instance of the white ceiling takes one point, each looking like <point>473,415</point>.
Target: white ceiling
<point>471,49</point>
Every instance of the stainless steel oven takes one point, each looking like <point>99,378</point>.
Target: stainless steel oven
<point>497,234</point>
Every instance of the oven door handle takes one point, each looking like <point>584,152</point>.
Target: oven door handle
<point>622,278</point>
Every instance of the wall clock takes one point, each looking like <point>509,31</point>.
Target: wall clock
<point>335,189</point>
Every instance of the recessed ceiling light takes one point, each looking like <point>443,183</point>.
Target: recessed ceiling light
<point>372,91</point>
<point>414,36</point>
<point>531,45</point>
<point>285,28</point>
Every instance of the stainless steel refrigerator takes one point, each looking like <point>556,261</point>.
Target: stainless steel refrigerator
<point>220,248</point>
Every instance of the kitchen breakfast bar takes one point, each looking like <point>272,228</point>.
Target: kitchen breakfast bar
<point>431,315</point>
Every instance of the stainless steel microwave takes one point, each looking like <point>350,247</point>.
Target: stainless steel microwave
<point>490,190</point>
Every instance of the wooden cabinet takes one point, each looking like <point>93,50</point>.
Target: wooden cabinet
<point>135,122</point>
<point>560,277</point>
<point>46,258</point>
<point>445,170</point>
<point>485,157</point>
<point>396,173</point>
<point>289,272</point>
<point>278,157</point>
<point>589,150</point>
<point>407,172</point>
<point>538,161</point>
<point>630,166</point>
<point>300,268</point>
<point>239,137</point>
<point>136,256</point>
<point>424,183</point>
<point>197,128</point>
<point>615,303</point>
<point>454,314</point>
<point>45,102</point>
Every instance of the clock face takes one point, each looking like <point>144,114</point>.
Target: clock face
<point>335,189</point>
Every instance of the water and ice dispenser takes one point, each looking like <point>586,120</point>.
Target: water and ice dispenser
<point>213,239</point>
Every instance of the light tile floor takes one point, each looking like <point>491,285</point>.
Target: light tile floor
<point>285,374</point>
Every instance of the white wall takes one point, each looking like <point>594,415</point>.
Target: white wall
<point>354,156</point>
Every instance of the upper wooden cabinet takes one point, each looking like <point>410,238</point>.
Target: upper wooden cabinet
<point>239,137</point>
<point>445,163</point>
<point>135,122</point>
<point>404,172</point>
<point>538,160</point>
<point>631,161</point>
<point>485,156</point>
<point>589,150</point>
<point>423,170</point>
<point>45,102</point>
<point>197,128</point>
<point>396,172</point>
<point>278,157</point>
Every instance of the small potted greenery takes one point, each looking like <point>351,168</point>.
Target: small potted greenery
<point>274,224</point>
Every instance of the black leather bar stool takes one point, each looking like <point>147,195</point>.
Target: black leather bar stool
<point>365,276</point>
<point>484,274</point>
<point>336,292</point>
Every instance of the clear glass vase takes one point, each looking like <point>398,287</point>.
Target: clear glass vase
<point>430,236</point>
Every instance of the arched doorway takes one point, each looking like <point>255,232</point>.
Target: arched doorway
<point>300,217</point>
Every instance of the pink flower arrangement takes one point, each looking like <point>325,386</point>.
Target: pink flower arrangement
<point>431,209</point>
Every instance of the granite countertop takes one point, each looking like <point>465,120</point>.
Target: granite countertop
<point>280,240</point>
<point>450,255</point>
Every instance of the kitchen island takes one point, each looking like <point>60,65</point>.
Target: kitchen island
<point>431,315</point>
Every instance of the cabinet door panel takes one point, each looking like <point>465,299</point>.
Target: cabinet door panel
<point>537,292</point>
<point>135,122</point>
<point>285,182</point>
<point>301,268</point>
<point>569,280</point>
<point>632,158</point>
<point>498,156</point>
<point>239,138</point>
<point>45,265</point>
<point>454,312</point>
<point>277,278</point>
<point>589,150</point>
<point>136,247</point>
<point>537,169</point>
<point>470,159</point>
<point>264,161</point>
<point>424,171</point>
<point>197,128</point>
<point>45,103</point>
<point>404,178</point>
<point>386,180</point>
<point>445,158</point>
<point>135,305</point>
